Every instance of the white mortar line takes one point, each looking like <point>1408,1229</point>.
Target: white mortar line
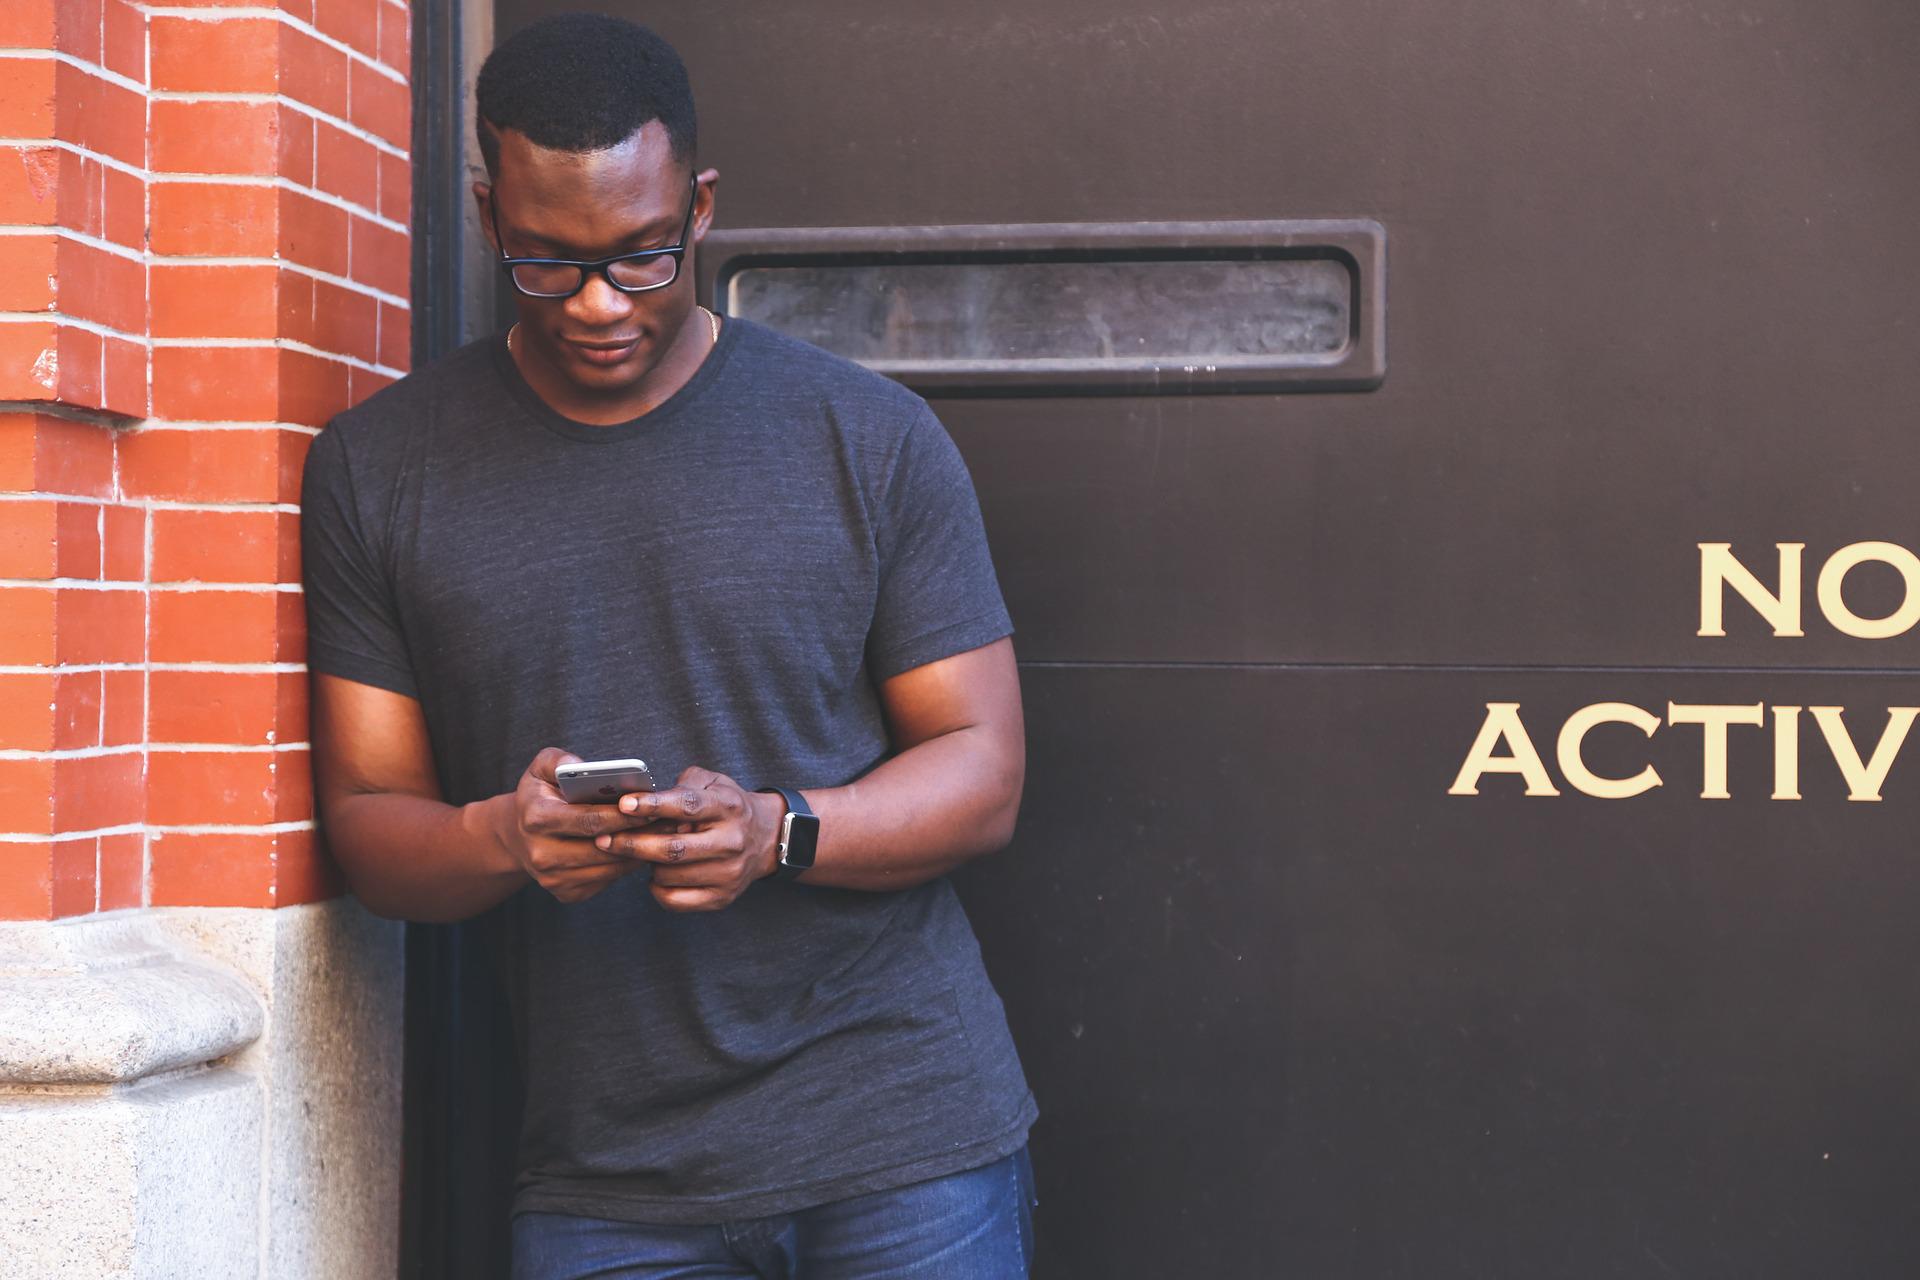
<point>80,237</point>
<point>304,108</point>
<point>74,148</point>
<point>72,753</point>
<point>283,344</point>
<point>17,837</point>
<point>223,748</point>
<point>172,178</point>
<point>274,15</point>
<point>231,260</point>
<point>91,68</point>
<point>65,320</point>
<point>218,828</point>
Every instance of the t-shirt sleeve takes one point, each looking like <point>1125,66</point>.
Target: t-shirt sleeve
<point>353,626</point>
<point>938,595</point>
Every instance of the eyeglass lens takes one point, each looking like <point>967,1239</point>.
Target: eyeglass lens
<point>559,279</point>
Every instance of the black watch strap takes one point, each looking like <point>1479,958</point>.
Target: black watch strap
<point>799,835</point>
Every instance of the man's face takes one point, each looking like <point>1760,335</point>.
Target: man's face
<point>587,205</point>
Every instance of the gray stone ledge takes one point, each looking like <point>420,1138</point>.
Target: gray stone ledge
<point>113,999</point>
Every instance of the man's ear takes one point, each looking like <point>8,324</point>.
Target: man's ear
<point>482,203</point>
<point>703,217</point>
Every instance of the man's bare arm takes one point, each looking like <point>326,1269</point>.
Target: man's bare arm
<point>407,854</point>
<point>949,793</point>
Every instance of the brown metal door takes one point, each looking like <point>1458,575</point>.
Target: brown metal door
<point>1290,1007</point>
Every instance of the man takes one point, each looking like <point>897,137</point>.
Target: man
<point>628,528</point>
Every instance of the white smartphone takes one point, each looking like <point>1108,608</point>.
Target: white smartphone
<point>601,781</point>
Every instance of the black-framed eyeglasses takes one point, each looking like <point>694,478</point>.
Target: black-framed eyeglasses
<point>627,272</point>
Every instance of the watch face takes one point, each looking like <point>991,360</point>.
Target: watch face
<point>799,836</point>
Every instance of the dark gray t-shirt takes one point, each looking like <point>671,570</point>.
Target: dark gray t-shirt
<point>721,582</point>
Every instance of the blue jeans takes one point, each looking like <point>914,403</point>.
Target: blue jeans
<point>976,1225</point>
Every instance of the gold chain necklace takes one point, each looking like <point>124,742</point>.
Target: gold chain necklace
<point>713,328</point>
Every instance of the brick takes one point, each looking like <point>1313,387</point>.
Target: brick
<point>29,361</point>
<point>26,24</point>
<point>74,863</point>
<point>312,389</point>
<point>303,871</point>
<point>396,336</point>
<point>123,871</point>
<point>396,188</point>
<point>214,626</point>
<point>77,28</point>
<point>77,540</point>
<point>125,40</point>
<point>290,622</point>
<point>76,709</point>
<point>27,636</point>
<point>381,106</point>
<point>100,625</point>
<point>26,881</point>
<point>295,138</point>
<point>194,301</point>
<point>103,287</point>
<point>225,55</point>
<point>287,533</point>
<point>295,306</point>
<point>30,185</point>
<point>125,364</point>
<point>290,710</point>
<point>27,710</point>
<point>355,23</point>
<point>345,321</point>
<point>83,186</point>
<point>396,37</point>
<point>211,706</point>
<point>293,460</point>
<point>192,788</point>
<point>81,365</point>
<point>313,73</point>
<point>26,97</point>
<point>366,383</point>
<point>125,720</point>
<point>201,466</point>
<point>18,441</point>
<point>216,137</point>
<point>124,209</point>
<point>100,115</point>
<point>214,546</point>
<point>216,384</point>
<point>382,257</point>
<point>26,796</point>
<point>203,219</point>
<point>313,233</point>
<point>73,457</point>
<point>347,166</point>
<point>29,272</point>
<point>28,539</point>
<point>123,550</point>
<point>90,792</point>
<point>224,869</point>
<point>293,786</point>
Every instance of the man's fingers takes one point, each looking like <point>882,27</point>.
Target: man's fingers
<point>669,847</point>
<point>675,804</point>
<point>548,760</point>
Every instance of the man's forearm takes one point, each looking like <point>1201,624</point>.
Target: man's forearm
<point>410,858</point>
<point>919,814</point>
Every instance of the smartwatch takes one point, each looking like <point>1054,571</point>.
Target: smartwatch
<point>799,836</point>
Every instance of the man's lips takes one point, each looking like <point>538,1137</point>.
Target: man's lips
<point>604,351</point>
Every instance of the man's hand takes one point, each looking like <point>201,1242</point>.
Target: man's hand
<point>554,841</point>
<point>709,841</point>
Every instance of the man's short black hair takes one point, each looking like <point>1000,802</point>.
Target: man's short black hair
<point>583,82</point>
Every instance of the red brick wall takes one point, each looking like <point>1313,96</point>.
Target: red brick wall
<point>203,255</point>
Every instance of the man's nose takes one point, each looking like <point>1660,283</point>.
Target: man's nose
<point>598,304</point>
